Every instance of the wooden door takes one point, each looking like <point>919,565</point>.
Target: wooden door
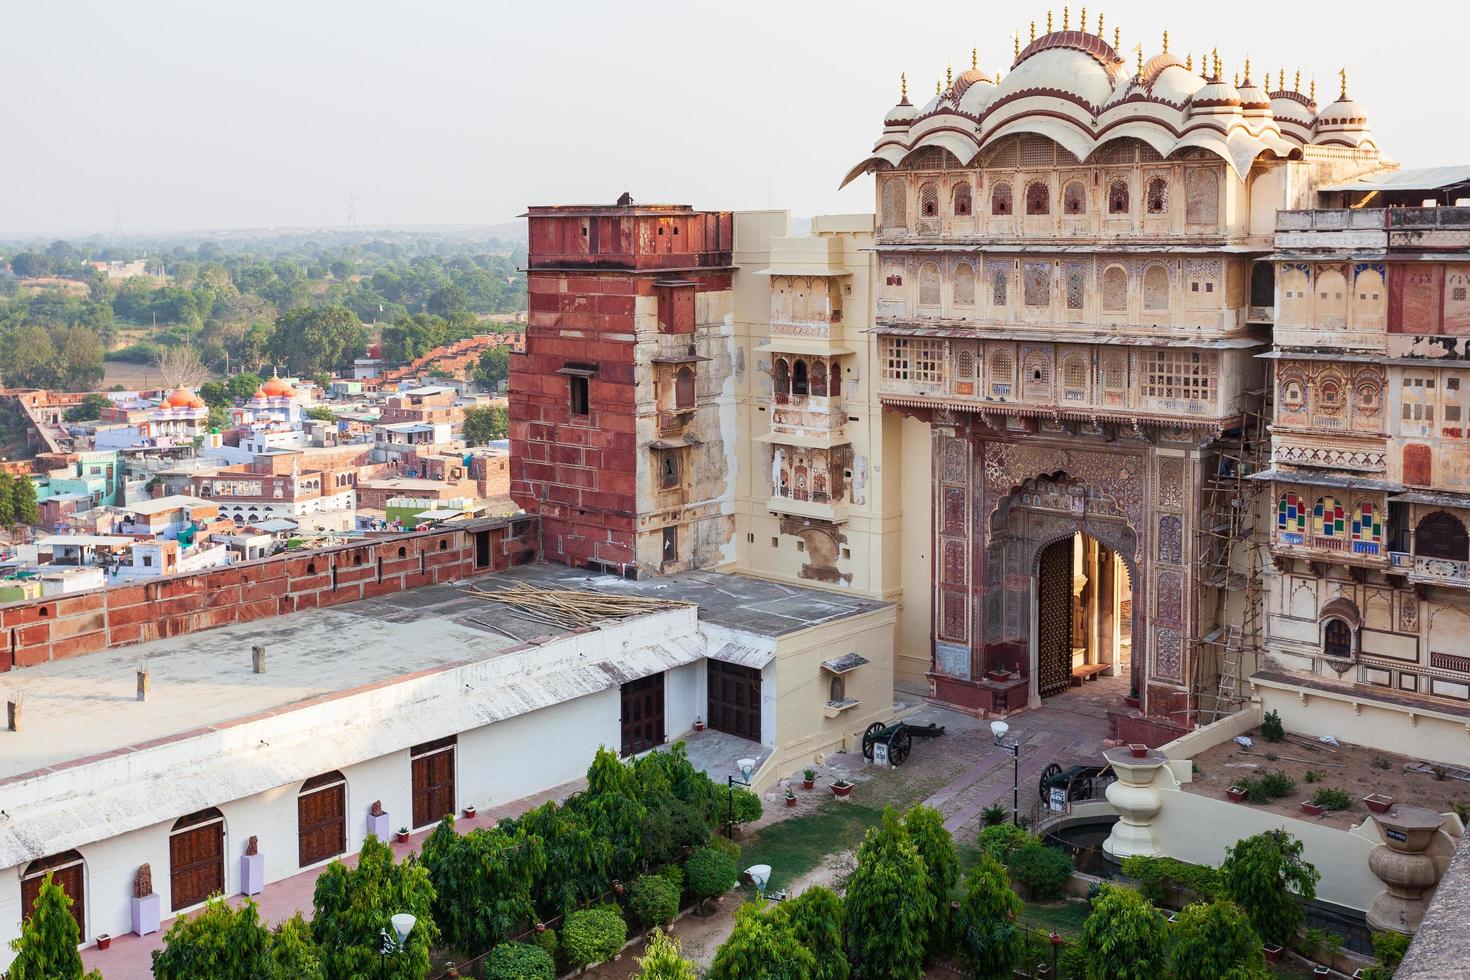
<point>196,860</point>
<point>735,699</point>
<point>433,781</point>
<point>66,872</point>
<point>321,819</point>
<point>643,714</point>
<point>1054,618</point>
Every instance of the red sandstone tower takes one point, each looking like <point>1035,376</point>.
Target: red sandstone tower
<point>614,419</point>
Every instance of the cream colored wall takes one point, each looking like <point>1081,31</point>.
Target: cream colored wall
<point>915,550</point>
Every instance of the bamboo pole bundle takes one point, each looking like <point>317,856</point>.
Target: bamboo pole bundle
<point>570,607</point>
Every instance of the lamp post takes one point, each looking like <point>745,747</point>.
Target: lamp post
<point>392,944</point>
<point>1056,945</point>
<point>998,730</point>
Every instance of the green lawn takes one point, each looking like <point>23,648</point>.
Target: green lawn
<point>796,846</point>
<point>1064,917</point>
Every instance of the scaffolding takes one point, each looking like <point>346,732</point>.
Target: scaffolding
<point>1230,557</point>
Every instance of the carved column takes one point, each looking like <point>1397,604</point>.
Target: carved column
<point>1405,866</point>
<point>1137,801</point>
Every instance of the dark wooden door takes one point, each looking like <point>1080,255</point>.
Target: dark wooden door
<point>735,699</point>
<point>321,823</point>
<point>643,714</point>
<point>66,872</point>
<point>433,781</point>
<point>1054,618</point>
<point>196,863</point>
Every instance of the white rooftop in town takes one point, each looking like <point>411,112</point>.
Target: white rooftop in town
<point>160,505</point>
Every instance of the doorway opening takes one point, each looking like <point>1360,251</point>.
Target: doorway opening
<point>1084,614</point>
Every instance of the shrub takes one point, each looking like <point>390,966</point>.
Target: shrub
<point>725,846</point>
<point>1124,938</point>
<point>548,942</point>
<point>482,882</point>
<point>890,905</point>
<point>1271,728</point>
<point>1041,870</point>
<point>673,874</point>
<point>926,831</point>
<point>47,947</point>
<point>1001,839</point>
<point>593,935</point>
<point>654,900</point>
<point>1332,799</point>
<point>993,814</point>
<point>985,926</point>
<point>1214,941</point>
<point>1266,876</point>
<point>1270,786</point>
<point>1388,951</point>
<point>709,872</point>
<point>815,919</point>
<point>1381,762</point>
<point>1159,877</point>
<point>663,960</point>
<point>746,805</point>
<point>517,961</point>
<point>761,947</point>
<point>1312,776</point>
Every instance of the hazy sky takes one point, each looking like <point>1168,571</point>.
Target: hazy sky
<point>214,114</point>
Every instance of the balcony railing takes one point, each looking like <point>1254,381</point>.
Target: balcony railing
<point>815,496</point>
<point>1442,569</point>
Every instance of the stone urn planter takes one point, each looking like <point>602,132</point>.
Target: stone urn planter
<point>1402,863</point>
<point>842,789</point>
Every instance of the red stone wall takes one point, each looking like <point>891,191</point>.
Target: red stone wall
<point>35,631</point>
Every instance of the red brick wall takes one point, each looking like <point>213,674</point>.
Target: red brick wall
<point>56,627</point>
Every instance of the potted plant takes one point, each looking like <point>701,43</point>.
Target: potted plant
<point>1272,952</point>
<point>540,926</point>
<point>790,797</point>
<point>1311,809</point>
<point>617,886</point>
<point>1378,802</point>
<point>104,940</point>
<point>1000,674</point>
<point>1132,699</point>
<point>841,788</point>
<point>699,724</point>
<point>808,778</point>
<point>403,835</point>
<point>469,813</point>
<point>1236,794</point>
<point>1321,971</point>
<point>1139,750</point>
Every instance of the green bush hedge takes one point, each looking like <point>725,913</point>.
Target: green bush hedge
<point>1043,871</point>
<point>709,872</point>
<point>999,840</point>
<point>593,935</point>
<point>654,900</point>
<point>1159,876</point>
<point>517,961</point>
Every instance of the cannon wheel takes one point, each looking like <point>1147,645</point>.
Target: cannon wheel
<point>1055,769</point>
<point>870,733</point>
<point>899,746</point>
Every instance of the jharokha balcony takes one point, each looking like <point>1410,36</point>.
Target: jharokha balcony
<point>1436,552</point>
<point>813,504</point>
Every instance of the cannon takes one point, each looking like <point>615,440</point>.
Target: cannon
<point>1079,782</point>
<point>898,737</point>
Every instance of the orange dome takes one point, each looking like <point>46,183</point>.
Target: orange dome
<point>181,398</point>
<point>196,402</point>
<point>259,393</point>
<point>276,388</point>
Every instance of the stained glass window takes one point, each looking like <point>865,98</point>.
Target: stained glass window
<point>1291,514</point>
<point>1329,520</point>
<point>1367,527</point>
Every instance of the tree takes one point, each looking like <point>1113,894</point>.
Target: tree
<point>181,367</point>
<point>663,960</point>
<point>890,905</point>
<point>654,900</point>
<point>1124,938</point>
<point>243,386</point>
<point>321,413</point>
<point>1215,941</point>
<point>32,265</point>
<point>1266,876</point>
<point>317,338</point>
<point>353,907</point>
<point>47,947</point>
<point>578,862</point>
<point>23,502</point>
<point>761,949</point>
<point>448,299</point>
<point>494,368</point>
<point>709,872</point>
<point>411,337</point>
<point>985,926</point>
<point>611,809</point>
<point>7,499</point>
<point>78,358</point>
<point>293,951</point>
<point>482,883</point>
<point>925,827</point>
<point>815,919</point>
<point>28,357</point>
<point>218,942</point>
<point>88,408</point>
<point>216,394</point>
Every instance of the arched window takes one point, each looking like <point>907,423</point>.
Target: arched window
<point>834,384</point>
<point>684,387</point>
<point>929,200</point>
<point>964,284</point>
<point>781,377</point>
<point>1158,196</point>
<point>321,818</point>
<point>800,386</point>
<point>1441,535</point>
<point>1202,197</point>
<point>999,288</point>
<point>1337,640</point>
<point>1001,368</point>
<point>1329,520</point>
<point>962,205</point>
<point>837,690</point>
<point>1075,281</point>
<point>1291,514</point>
<point>1118,196</point>
<point>1115,290</point>
<point>1074,199</point>
<point>964,364</point>
<point>1293,392</point>
<point>893,203</point>
<point>68,872</point>
<point>1114,370</point>
<point>1331,299</point>
<point>1038,198</point>
<point>819,378</point>
<point>1156,289</point>
<point>1036,284</point>
<point>1263,284</point>
<point>1367,527</point>
<point>1000,200</point>
<point>929,284</point>
<point>196,847</point>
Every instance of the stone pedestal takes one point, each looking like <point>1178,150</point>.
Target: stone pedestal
<point>1404,866</point>
<point>147,913</point>
<point>378,826</point>
<point>252,874</point>
<point>1136,800</point>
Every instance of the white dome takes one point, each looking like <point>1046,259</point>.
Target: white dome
<point>900,115</point>
<point>1176,84</point>
<point>977,96</point>
<point>1065,70</point>
<point>1286,108</point>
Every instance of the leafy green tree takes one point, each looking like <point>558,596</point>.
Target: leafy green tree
<point>293,951</point>
<point>815,919</point>
<point>663,960</point>
<point>32,265</point>
<point>578,861</point>
<point>242,386</point>
<point>7,499</point>
<point>448,299</point>
<point>47,947</point>
<point>593,935</point>
<point>482,883</point>
<point>925,827</point>
<point>353,909</point>
<point>79,358</point>
<point>612,810</point>
<point>985,926</point>
<point>321,413</point>
<point>1215,941</point>
<point>1388,952</point>
<point>494,367</point>
<point>23,502</point>
<point>710,872</point>
<point>216,394</point>
<point>654,900</point>
<point>517,961</point>
<point>760,948</point>
<point>412,336</point>
<point>317,338</point>
<point>1040,869</point>
<point>1124,938</point>
<point>88,408</point>
<point>1267,876</point>
<point>217,942</point>
<point>890,905</point>
<point>28,357</point>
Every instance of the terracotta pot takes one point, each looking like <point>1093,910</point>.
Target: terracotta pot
<point>1131,701</point>
<point>469,813</point>
<point>104,941</point>
<point>1000,675</point>
<point>540,927</point>
<point>1378,802</point>
<point>1235,794</point>
<point>841,790</point>
<point>699,726</point>
<point>808,784</point>
<point>1272,953</point>
<point>1139,750</point>
<point>791,801</point>
<point>1311,809</point>
<point>402,836</point>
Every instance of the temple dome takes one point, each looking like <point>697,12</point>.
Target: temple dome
<point>276,388</point>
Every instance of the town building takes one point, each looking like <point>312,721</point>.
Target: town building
<point>277,484</point>
<point>177,420</point>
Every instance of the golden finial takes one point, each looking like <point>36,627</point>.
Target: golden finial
<point>1166,42</point>
<point>1236,83</point>
<point>1083,26</point>
<point>903,85</point>
<point>1048,22</point>
<point>1065,17</point>
<point>1217,63</point>
<point>1247,68</point>
<point>949,77</point>
<point>1033,30</point>
<point>1099,23</point>
<point>1140,63</point>
<point>938,88</point>
<point>1342,74</point>
<point>975,58</point>
<point>1296,85</point>
<point>1312,95</point>
<point>1188,62</point>
<point>1281,80</point>
<point>1016,43</point>
<point>1117,38</point>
